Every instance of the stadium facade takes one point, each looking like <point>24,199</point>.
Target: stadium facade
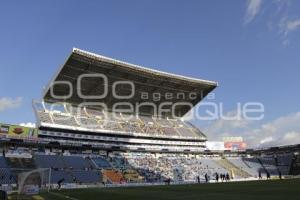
<point>104,121</point>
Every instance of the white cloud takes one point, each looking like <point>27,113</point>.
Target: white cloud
<point>281,131</point>
<point>28,124</point>
<point>286,20</point>
<point>266,140</point>
<point>278,16</point>
<point>9,103</point>
<point>253,8</point>
<point>286,25</point>
<point>223,127</point>
<point>293,25</point>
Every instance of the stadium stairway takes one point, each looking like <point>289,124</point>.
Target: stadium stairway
<point>246,163</point>
<point>232,168</point>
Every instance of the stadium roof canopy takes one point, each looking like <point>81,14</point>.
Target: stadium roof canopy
<point>150,86</point>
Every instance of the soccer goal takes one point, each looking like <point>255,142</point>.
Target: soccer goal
<point>32,182</point>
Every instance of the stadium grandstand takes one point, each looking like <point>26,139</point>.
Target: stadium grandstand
<point>83,137</point>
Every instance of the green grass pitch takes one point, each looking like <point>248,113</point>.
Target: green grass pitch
<point>254,190</point>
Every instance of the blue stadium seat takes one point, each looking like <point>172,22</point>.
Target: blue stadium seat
<point>76,162</point>
<point>87,176</point>
<point>101,163</point>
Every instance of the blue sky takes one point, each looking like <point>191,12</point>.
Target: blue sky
<point>250,47</point>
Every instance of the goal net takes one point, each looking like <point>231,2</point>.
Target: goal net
<point>32,182</point>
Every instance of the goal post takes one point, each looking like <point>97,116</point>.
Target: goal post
<point>33,181</point>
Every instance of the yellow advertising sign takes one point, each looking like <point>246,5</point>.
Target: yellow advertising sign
<point>18,131</point>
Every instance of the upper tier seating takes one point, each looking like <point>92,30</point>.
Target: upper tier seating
<point>63,119</point>
<point>186,132</point>
<point>45,117</point>
<point>123,123</point>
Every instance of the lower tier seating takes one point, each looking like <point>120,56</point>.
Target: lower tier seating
<point>113,176</point>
